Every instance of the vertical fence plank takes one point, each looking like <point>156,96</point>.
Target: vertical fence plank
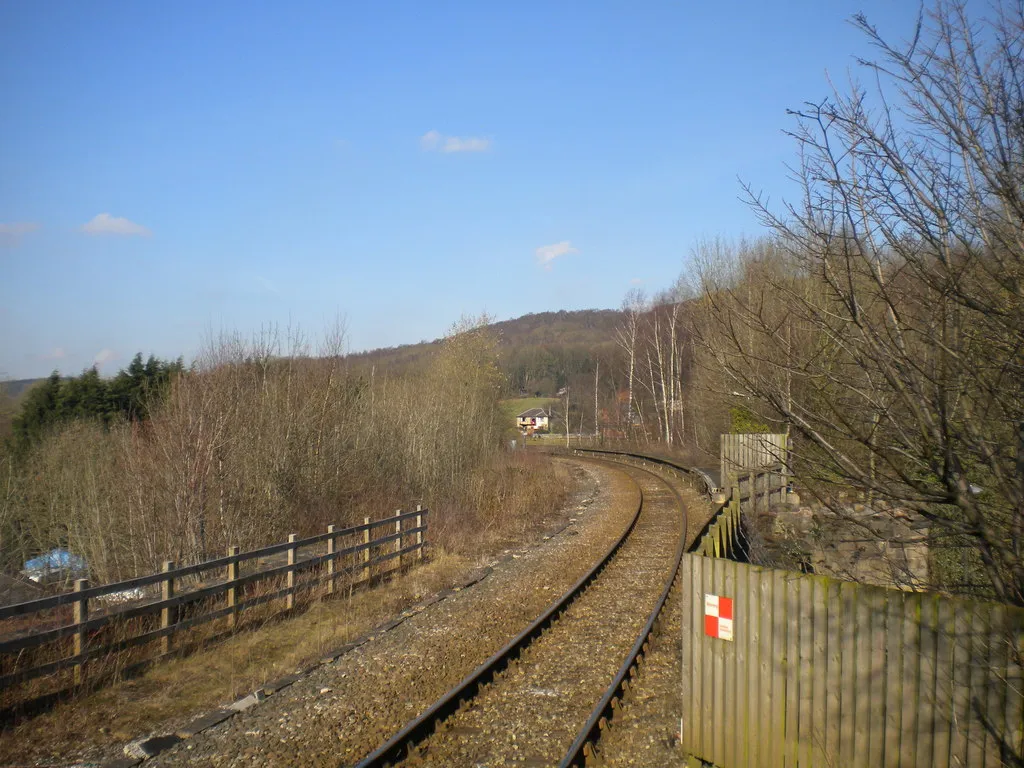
<point>819,669</point>
<point>749,667</point>
<point>909,632</point>
<point>950,673</point>
<point>686,695</point>
<point>792,670</point>
<point>1014,637</point>
<point>928,716</point>
<point>893,675</point>
<point>832,711</point>
<point>697,654</point>
<point>805,675</point>
<point>332,564</point>
<point>718,675</point>
<point>961,686</point>
<point>995,706</point>
<point>232,591</point>
<point>707,671</point>
<point>737,516</point>
<point>945,663</point>
<point>979,680</point>
<point>848,678</point>
<point>289,600</point>
<point>780,649</point>
<point>873,694</point>
<point>766,715</point>
<point>168,614</point>
<point>724,452</point>
<point>81,615</point>
<point>732,665</point>
<point>727,549</point>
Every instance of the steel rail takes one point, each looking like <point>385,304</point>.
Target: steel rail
<point>590,733</point>
<point>700,474</point>
<point>397,747</point>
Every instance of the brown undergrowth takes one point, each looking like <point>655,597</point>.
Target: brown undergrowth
<point>505,506</point>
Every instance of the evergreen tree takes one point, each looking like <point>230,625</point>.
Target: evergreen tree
<point>128,395</point>
<point>38,410</point>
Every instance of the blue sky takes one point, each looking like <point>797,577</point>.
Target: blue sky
<point>168,170</point>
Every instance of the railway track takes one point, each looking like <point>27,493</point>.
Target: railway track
<point>547,695</point>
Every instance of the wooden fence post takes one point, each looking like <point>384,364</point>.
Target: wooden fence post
<point>366,552</point>
<point>330,561</point>
<point>731,531</point>
<point>232,593</point>
<point>168,614</point>
<point>290,583</point>
<point>419,534</point>
<point>81,616</point>
<point>398,542</point>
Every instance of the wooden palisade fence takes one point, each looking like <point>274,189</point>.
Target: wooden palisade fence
<point>821,672</point>
<point>755,490</point>
<point>348,557</point>
<point>744,452</point>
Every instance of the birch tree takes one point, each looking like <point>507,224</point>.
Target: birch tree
<point>627,337</point>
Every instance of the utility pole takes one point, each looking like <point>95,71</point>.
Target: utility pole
<point>567,415</point>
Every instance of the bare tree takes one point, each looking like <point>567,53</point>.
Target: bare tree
<point>627,338</point>
<point>885,323</point>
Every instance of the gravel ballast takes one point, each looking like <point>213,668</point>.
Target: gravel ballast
<point>645,729</point>
<point>531,714</point>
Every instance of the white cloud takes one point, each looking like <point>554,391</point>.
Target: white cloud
<point>104,356</point>
<point>105,224</point>
<point>57,353</point>
<point>430,141</point>
<point>433,141</point>
<point>11,234</point>
<point>636,281</point>
<point>548,253</point>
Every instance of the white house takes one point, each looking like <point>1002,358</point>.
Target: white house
<point>532,420</point>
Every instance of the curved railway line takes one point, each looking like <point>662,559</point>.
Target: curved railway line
<point>546,696</point>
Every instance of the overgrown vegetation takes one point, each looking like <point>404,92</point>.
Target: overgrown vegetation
<point>258,439</point>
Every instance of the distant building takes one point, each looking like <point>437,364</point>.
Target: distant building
<point>533,420</point>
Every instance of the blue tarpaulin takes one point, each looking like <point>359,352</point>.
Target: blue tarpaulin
<point>54,561</point>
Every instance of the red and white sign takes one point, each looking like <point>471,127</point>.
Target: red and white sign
<point>718,617</point>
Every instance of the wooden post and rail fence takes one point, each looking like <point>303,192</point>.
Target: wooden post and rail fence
<point>784,669</point>
<point>318,561</point>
